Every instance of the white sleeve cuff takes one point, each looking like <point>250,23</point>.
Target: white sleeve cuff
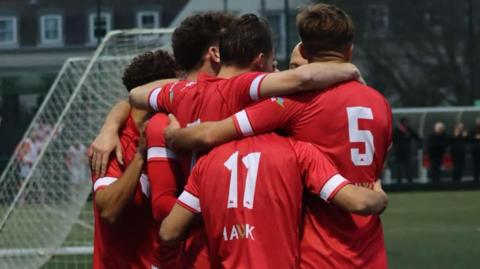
<point>160,152</point>
<point>331,186</point>
<point>190,200</point>
<point>153,98</point>
<point>244,123</point>
<point>145,185</point>
<point>103,181</point>
<point>255,87</point>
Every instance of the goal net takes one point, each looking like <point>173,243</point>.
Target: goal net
<point>45,217</point>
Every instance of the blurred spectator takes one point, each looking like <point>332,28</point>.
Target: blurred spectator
<point>476,150</point>
<point>28,153</point>
<point>436,147</point>
<point>44,130</point>
<point>457,150</point>
<point>77,162</point>
<point>403,136</point>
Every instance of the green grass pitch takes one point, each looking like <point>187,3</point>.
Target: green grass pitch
<point>434,230</point>
<point>423,230</point>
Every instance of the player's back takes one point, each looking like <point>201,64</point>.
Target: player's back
<point>127,243</point>
<point>250,194</point>
<point>207,99</point>
<point>351,123</point>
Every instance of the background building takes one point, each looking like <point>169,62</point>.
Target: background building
<point>37,36</point>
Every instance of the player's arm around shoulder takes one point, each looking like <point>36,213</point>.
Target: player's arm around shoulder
<point>108,140</point>
<point>117,192</point>
<point>139,96</point>
<point>361,201</point>
<point>162,168</point>
<point>202,136</point>
<point>313,76</point>
<point>322,177</point>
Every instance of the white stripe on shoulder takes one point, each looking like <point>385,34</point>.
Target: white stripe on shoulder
<point>190,200</point>
<point>244,123</point>
<point>331,185</point>
<point>254,87</point>
<point>103,181</point>
<point>154,98</point>
<point>160,152</point>
<point>144,185</point>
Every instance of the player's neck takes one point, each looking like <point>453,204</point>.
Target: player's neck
<point>192,76</point>
<point>328,56</point>
<point>327,59</point>
<point>205,68</point>
<point>231,71</point>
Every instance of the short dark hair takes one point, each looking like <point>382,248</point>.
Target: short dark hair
<point>324,27</point>
<point>195,34</point>
<point>148,67</point>
<point>244,39</point>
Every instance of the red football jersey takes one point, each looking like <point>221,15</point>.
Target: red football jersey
<point>249,193</point>
<point>209,98</point>
<point>352,124</point>
<point>165,179</point>
<point>128,242</point>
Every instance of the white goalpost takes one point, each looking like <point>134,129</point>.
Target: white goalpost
<point>45,219</point>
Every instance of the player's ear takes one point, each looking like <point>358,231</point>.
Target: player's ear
<point>214,54</point>
<point>261,63</point>
<point>302,50</point>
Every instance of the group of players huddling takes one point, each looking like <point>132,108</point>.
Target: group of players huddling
<point>270,170</point>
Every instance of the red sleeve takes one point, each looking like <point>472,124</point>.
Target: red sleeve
<point>245,89</point>
<point>162,169</point>
<point>114,171</point>
<point>160,99</point>
<point>190,197</point>
<point>320,175</point>
<point>268,115</point>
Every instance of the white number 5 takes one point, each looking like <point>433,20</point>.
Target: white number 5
<point>362,136</point>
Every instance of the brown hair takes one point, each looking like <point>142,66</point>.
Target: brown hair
<point>244,39</point>
<point>148,67</point>
<point>324,27</point>
<point>195,35</point>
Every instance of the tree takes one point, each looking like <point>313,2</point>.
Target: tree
<point>423,59</point>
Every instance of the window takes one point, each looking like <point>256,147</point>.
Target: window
<point>99,28</point>
<point>277,24</point>
<point>8,30</point>
<point>378,19</point>
<point>148,20</point>
<point>51,29</point>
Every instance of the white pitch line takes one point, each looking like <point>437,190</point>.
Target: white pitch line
<point>430,210</point>
<point>436,229</point>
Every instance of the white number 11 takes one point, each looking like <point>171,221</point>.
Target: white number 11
<point>251,162</point>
